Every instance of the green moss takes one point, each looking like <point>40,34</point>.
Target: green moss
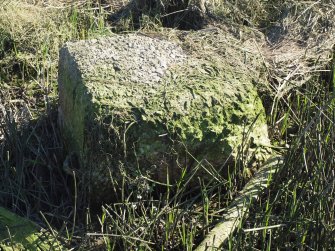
<point>17,233</point>
<point>204,108</point>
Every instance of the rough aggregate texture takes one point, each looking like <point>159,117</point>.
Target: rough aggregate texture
<point>132,105</point>
<point>142,58</point>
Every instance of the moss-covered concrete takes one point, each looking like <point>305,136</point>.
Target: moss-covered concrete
<point>17,233</point>
<point>118,120</point>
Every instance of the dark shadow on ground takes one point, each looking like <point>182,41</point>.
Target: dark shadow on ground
<point>176,14</point>
<point>31,158</point>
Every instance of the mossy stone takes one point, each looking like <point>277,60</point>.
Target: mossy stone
<point>134,105</point>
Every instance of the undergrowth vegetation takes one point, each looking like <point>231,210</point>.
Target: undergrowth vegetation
<point>296,213</point>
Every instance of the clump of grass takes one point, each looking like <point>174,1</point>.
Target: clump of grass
<point>31,36</point>
<point>31,152</point>
<point>250,13</point>
<point>173,220</point>
<point>298,210</point>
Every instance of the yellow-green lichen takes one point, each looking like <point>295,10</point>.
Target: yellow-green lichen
<point>203,107</point>
<point>208,114</point>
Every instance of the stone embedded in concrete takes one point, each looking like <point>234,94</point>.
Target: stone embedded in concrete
<point>133,105</point>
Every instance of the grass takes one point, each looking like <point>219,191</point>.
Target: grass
<point>296,213</point>
<point>300,201</point>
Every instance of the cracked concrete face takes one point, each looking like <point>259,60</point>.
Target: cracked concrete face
<point>133,105</point>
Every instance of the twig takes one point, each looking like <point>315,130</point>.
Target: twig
<point>175,12</point>
<point>263,228</point>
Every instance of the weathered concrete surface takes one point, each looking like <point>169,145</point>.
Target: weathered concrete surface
<point>17,233</point>
<point>135,105</point>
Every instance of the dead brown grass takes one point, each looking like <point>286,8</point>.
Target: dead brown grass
<point>300,43</point>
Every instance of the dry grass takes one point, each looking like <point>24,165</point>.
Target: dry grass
<point>291,40</point>
<point>30,28</point>
<point>300,43</point>
<point>35,31</point>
